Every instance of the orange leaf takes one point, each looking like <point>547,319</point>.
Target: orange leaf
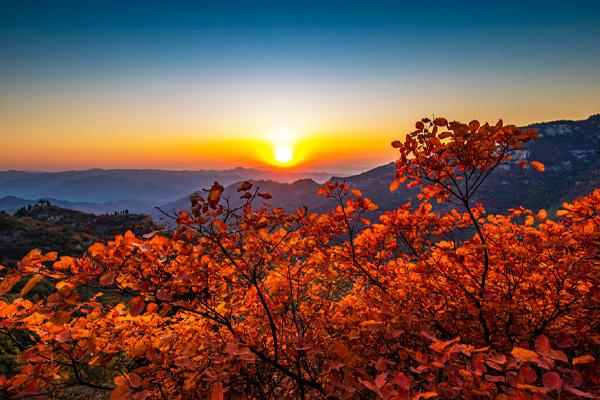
<point>542,214</point>
<point>63,336</point>
<point>323,191</point>
<point>535,389</point>
<point>121,393</point>
<point>583,359</point>
<point>96,249</point>
<point>64,288</point>
<point>537,165</point>
<point>220,225</point>
<point>579,393</point>
<point>394,185</point>
<point>184,218</point>
<point>8,282</point>
<point>264,234</point>
<point>380,380</point>
<point>31,283</point>
<point>522,354</point>
<point>214,195</point>
<point>425,395</point>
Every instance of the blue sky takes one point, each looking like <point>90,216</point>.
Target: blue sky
<point>46,40</point>
<point>73,69</point>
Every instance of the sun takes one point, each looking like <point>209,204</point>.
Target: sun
<point>283,154</point>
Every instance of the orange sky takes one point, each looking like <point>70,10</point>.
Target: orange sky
<point>330,126</point>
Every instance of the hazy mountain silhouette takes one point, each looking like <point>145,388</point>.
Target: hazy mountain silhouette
<point>100,191</point>
<point>569,150</point>
<point>10,204</point>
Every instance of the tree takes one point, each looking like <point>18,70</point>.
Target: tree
<point>435,299</point>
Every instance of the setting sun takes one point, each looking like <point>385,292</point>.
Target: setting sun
<point>283,154</point>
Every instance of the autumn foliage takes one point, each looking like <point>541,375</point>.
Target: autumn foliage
<point>436,299</point>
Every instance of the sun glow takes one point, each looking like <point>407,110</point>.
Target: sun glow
<point>283,154</point>
<point>283,147</point>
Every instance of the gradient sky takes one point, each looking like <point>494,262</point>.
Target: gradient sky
<point>218,84</point>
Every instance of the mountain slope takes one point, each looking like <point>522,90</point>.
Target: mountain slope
<point>69,232</point>
<point>148,187</point>
<point>11,204</point>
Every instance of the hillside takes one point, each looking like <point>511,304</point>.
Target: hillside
<point>11,204</point>
<point>69,232</point>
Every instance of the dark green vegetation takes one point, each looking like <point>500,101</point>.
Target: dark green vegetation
<point>68,232</point>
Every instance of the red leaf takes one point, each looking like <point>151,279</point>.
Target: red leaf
<point>380,380</point>
<point>551,380</point>
<point>216,392</point>
<point>136,306</point>
<point>108,278</point>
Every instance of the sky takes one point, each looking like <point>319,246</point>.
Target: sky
<point>220,84</point>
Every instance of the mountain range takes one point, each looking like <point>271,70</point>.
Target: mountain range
<point>102,191</point>
<point>568,149</point>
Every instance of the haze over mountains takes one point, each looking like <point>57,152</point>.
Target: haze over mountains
<point>107,190</point>
<point>569,150</point>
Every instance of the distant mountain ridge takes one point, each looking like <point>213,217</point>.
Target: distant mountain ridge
<point>568,149</point>
<point>100,190</point>
<point>11,204</point>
